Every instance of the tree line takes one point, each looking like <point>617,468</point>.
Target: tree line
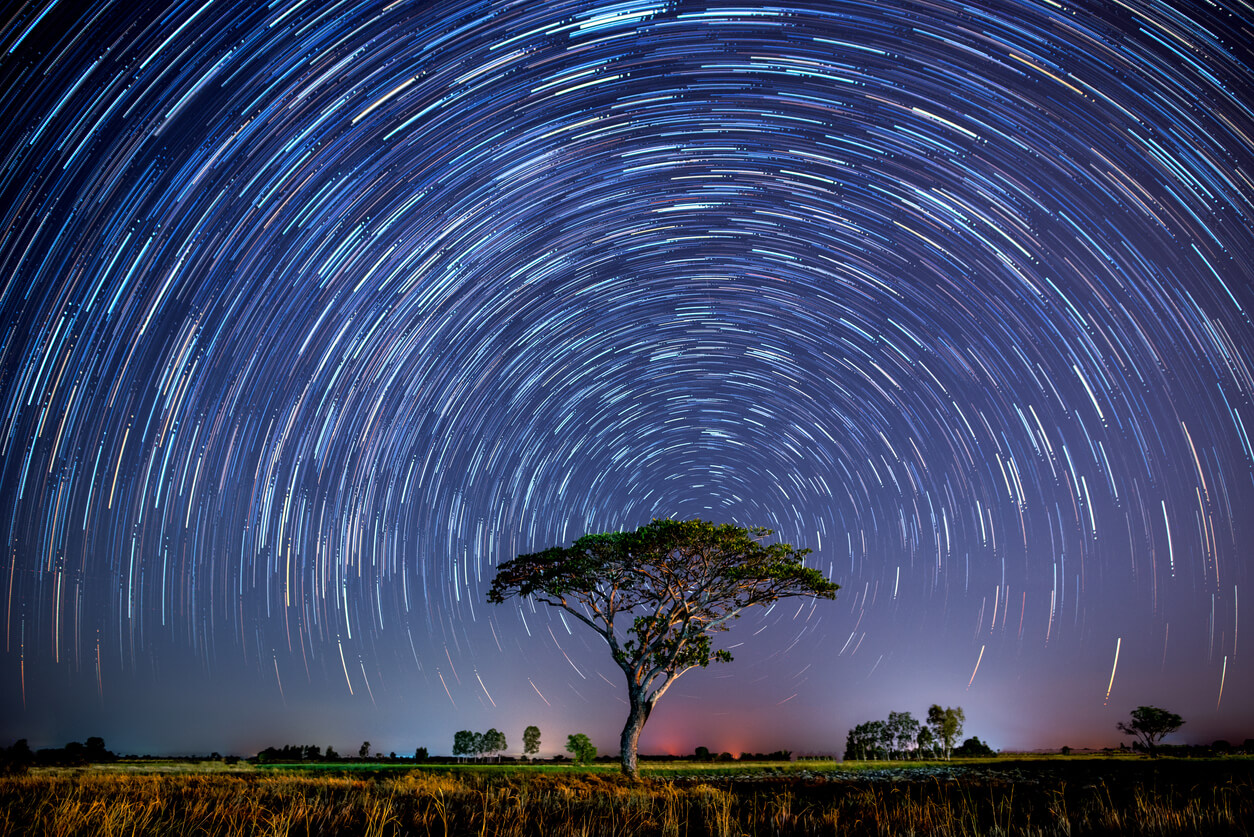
<point>19,756</point>
<point>467,743</point>
<point>902,736</point>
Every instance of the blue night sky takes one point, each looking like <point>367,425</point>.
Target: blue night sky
<point>312,313</point>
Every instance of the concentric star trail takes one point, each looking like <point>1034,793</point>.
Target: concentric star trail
<point>315,312</point>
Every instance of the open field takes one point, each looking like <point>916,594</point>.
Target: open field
<point>1030,796</point>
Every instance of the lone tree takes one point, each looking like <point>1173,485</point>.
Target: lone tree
<point>531,740</point>
<point>1150,725</point>
<point>656,595</point>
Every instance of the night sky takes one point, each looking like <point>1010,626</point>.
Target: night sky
<point>312,313</point>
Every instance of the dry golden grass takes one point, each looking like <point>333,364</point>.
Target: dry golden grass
<point>1144,799</point>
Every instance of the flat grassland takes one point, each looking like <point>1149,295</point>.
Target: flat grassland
<point>1072,795</point>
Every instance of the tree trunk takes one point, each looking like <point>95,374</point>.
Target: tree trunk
<point>636,716</point>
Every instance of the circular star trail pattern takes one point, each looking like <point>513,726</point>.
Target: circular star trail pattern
<point>314,312</point>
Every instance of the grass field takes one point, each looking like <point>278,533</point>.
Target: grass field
<point>1030,796</point>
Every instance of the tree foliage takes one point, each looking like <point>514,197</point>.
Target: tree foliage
<point>946,724</point>
<point>902,736</point>
<point>1149,725</point>
<point>973,747</point>
<point>903,729</point>
<point>896,737</point>
<point>868,740</point>
<point>658,594</point>
<point>464,743</point>
<point>581,748</point>
<point>493,742</point>
<point>531,740</point>
<point>478,744</point>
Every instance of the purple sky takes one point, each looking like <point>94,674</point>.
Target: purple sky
<point>312,314</point>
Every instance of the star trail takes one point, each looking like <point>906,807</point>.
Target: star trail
<point>313,313</point>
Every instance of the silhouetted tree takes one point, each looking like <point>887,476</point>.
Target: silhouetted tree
<point>493,741</point>
<point>675,583</point>
<point>464,743</point>
<point>902,730</point>
<point>946,725</point>
<point>531,741</point>
<point>16,758</point>
<point>926,742</point>
<point>1150,725</point>
<point>974,747</point>
<point>868,740</point>
<point>364,750</point>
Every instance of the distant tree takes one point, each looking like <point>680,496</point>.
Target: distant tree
<point>464,743</point>
<point>973,747</point>
<point>493,742</point>
<point>902,729</point>
<point>926,742</point>
<point>702,754</point>
<point>531,740</point>
<point>946,725</point>
<point>420,754</point>
<point>869,740</point>
<point>16,759</point>
<point>881,739</point>
<point>855,744</point>
<point>94,750</point>
<point>331,754</point>
<point>364,750</point>
<point>1150,725</point>
<point>658,594</point>
<point>581,748</point>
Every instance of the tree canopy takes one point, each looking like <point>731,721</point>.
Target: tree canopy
<point>1149,725</point>
<point>531,740</point>
<point>581,748</point>
<point>658,594</point>
<point>946,724</point>
<point>469,743</point>
<point>902,736</point>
